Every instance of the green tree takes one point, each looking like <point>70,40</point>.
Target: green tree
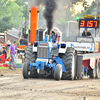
<point>11,15</point>
<point>23,4</point>
<point>88,9</point>
<point>16,13</point>
<point>92,8</point>
<point>5,24</point>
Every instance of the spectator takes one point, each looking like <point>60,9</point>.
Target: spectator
<point>4,53</point>
<point>12,54</point>
<point>1,43</point>
<point>4,44</point>
<point>0,48</point>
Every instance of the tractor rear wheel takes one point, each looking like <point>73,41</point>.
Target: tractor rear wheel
<point>31,57</point>
<point>26,70</point>
<point>69,60</point>
<point>58,72</point>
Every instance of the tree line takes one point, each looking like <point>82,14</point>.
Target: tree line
<point>14,12</point>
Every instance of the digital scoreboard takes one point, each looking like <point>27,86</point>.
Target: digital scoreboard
<point>88,23</point>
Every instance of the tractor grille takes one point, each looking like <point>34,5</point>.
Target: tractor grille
<point>43,50</point>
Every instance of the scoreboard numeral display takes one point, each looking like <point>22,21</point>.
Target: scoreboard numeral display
<point>89,23</point>
<point>82,24</point>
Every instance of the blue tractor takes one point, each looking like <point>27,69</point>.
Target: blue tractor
<point>50,58</point>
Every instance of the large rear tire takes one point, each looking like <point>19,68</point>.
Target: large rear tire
<point>31,57</point>
<point>70,60</point>
<point>58,72</point>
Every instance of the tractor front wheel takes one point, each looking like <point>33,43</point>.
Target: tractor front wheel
<point>26,70</point>
<point>58,72</point>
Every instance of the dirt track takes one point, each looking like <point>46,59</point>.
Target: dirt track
<point>14,87</point>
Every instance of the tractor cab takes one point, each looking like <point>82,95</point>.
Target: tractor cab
<point>87,43</point>
<point>41,36</point>
<point>55,33</point>
<point>88,25</point>
<point>89,22</point>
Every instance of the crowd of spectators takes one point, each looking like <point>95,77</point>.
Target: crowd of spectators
<point>13,51</point>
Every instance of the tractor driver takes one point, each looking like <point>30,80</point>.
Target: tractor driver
<point>54,36</point>
<point>86,33</point>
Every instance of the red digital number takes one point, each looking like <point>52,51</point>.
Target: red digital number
<point>89,23</point>
<point>82,23</point>
<point>95,23</point>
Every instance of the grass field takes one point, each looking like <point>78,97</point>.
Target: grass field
<point>3,68</point>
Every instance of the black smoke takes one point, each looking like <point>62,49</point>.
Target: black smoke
<point>50,6</point>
